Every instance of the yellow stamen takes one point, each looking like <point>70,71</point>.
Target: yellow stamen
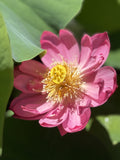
<point>58,73</point>
<point>63,83</point>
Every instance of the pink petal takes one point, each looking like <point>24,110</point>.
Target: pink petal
<point>45,107</point>
<point>84,101</point>
<point>108,74</point>
<point>101,45</point>
<point>66,47</point>
<point>16,71</point>
<point>106,78</point>
<point>72,53</point>
<point>61,130</point>
<point>99,40</point>
<point>93,64</point>
<point>52,44</point>
<point>86,49</point>
<point>77,119</point>
<point>24,106</point>
<point>28,84</point>
<point>52,53</point>
<point>92,90</point>
<point>33,68</point>
<point>41,109</point>
<point>54,117</point>
<point>100,50</point>
<point>51,37</point>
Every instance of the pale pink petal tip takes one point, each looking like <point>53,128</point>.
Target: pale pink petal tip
<point>25,106</point>
<point>58,48</point>
<point>94,51</point>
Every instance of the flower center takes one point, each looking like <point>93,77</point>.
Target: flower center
<point>58,74</point>
<point>63,83</point>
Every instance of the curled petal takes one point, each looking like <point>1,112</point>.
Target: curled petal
<point>45,107</point>
<point>108,74</point>
<point>106,79</point>
<point>99,45</point>
<point>55,117</point>
<point>24,106</point>
<point>77,119</point>
<point>93,64</point>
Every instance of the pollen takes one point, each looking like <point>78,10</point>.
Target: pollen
<point>63,83</point>
<point>58,73</point>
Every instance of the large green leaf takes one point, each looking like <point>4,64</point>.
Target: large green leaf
<point>6,74</point>
<point>26,20</point>
<point>111,124</point>
<point>24,28</point>
<point>100,130</point>
<point>56,13</point>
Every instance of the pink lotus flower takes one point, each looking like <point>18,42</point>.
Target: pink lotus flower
<point>61,91</point>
